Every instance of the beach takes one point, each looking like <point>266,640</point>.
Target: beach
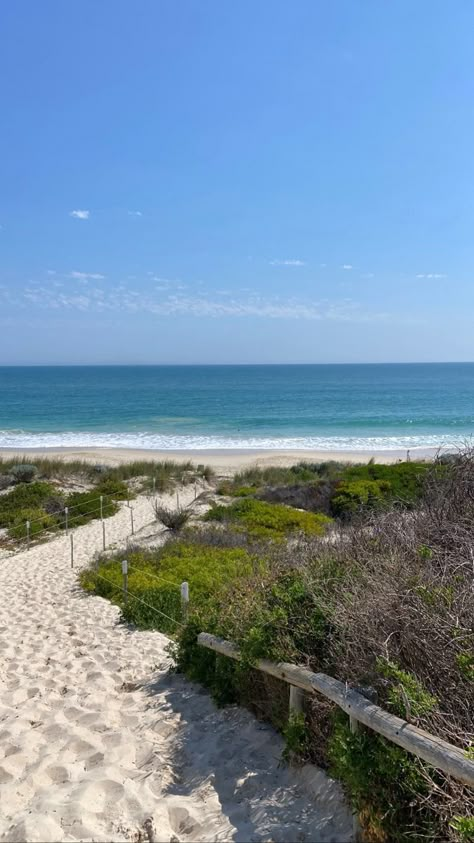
<point>224,462</point>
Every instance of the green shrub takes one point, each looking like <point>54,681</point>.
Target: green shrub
<point>464,827</point>
<point>155,577</point>
<point>6,481</point>
<point>85,506</point>
<point>296,738</point>
<point>465,663</point>
<point>405,478</point>
<point>265,520</point>
<point>23,473</point>
<point>243,491</point>
<point>23,496</point>
<point>351,495</point>
<point>113,488</point>
<point>39,521</point>
<point>406,696</point>
<point>383,782</point>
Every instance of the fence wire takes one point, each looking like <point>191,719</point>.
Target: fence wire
<point>135,597</point>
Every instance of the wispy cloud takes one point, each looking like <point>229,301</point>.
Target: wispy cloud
<point>86,276</point>
<point>347,266</point>
<point>431,275</point>
<point>288,262</point>
<point>157,301</point>
<point>80,215</point>
<point>135,214</point>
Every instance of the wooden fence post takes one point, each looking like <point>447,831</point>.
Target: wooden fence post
<point>296,700</point>
<point>356,829</point>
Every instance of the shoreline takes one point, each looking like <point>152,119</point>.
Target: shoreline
<point>222,461</point>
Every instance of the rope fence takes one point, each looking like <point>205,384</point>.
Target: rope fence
<point>184,591</point>
<point>70,519</point>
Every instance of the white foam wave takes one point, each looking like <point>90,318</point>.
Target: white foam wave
<point>159,442</point>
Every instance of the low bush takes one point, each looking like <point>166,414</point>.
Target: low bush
<point>23,473</point>
<point>6,480</point>
<point>351,496</point>
<point>173,519</point>
<point>155,576</point>
<point>272,521</point>
<point>383,781</point>
<point>111,487</point>
<point>54,505</point>
<point>22,497</point>
<point>405,479</point>
<point>85,506</point>
<point>39,521</point>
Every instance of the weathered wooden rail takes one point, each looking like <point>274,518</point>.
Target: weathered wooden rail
<point>438,753</point>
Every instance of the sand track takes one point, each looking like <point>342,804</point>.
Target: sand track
<point>98,741</point>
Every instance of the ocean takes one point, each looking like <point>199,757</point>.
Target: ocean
<point>321,407</point>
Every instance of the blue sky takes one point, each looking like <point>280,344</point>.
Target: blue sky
<point>261,181</point>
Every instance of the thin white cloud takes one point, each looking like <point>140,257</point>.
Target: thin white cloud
<point>217,304</point>
<point>80,215</point>
<point>431,275</point>
<point>368,275</point>
<point>86,276</point>
<point>347,266</point>
<point>135,214</point>
<point>288,262</point>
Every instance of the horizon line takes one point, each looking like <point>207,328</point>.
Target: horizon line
<point>228,365</point>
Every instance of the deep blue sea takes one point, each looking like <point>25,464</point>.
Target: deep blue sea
<point>186,407</point>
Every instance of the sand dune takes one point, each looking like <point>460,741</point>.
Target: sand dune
<point>99,742</point>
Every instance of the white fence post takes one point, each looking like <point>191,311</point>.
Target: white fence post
<point>101,507</point>
<point>177,500</point>
<point>27,535</point>
<point>125,580</point>
<point>103,535</point>
<point>185,600</point>
<point>72,549</point>
<point>66,513</point>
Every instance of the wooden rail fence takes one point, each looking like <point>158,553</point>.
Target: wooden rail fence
<point>435,751</point>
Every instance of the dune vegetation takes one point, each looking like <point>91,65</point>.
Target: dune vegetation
<point>379,595</point>
<point>40,492</point>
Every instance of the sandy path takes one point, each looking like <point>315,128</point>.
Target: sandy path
<point>99,742</point>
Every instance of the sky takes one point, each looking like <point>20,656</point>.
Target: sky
<point>199,181</point>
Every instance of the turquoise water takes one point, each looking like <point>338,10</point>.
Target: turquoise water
<point>183,407</point>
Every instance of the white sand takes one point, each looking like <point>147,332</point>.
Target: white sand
<point>99,742</point>
<point>224,462</point>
